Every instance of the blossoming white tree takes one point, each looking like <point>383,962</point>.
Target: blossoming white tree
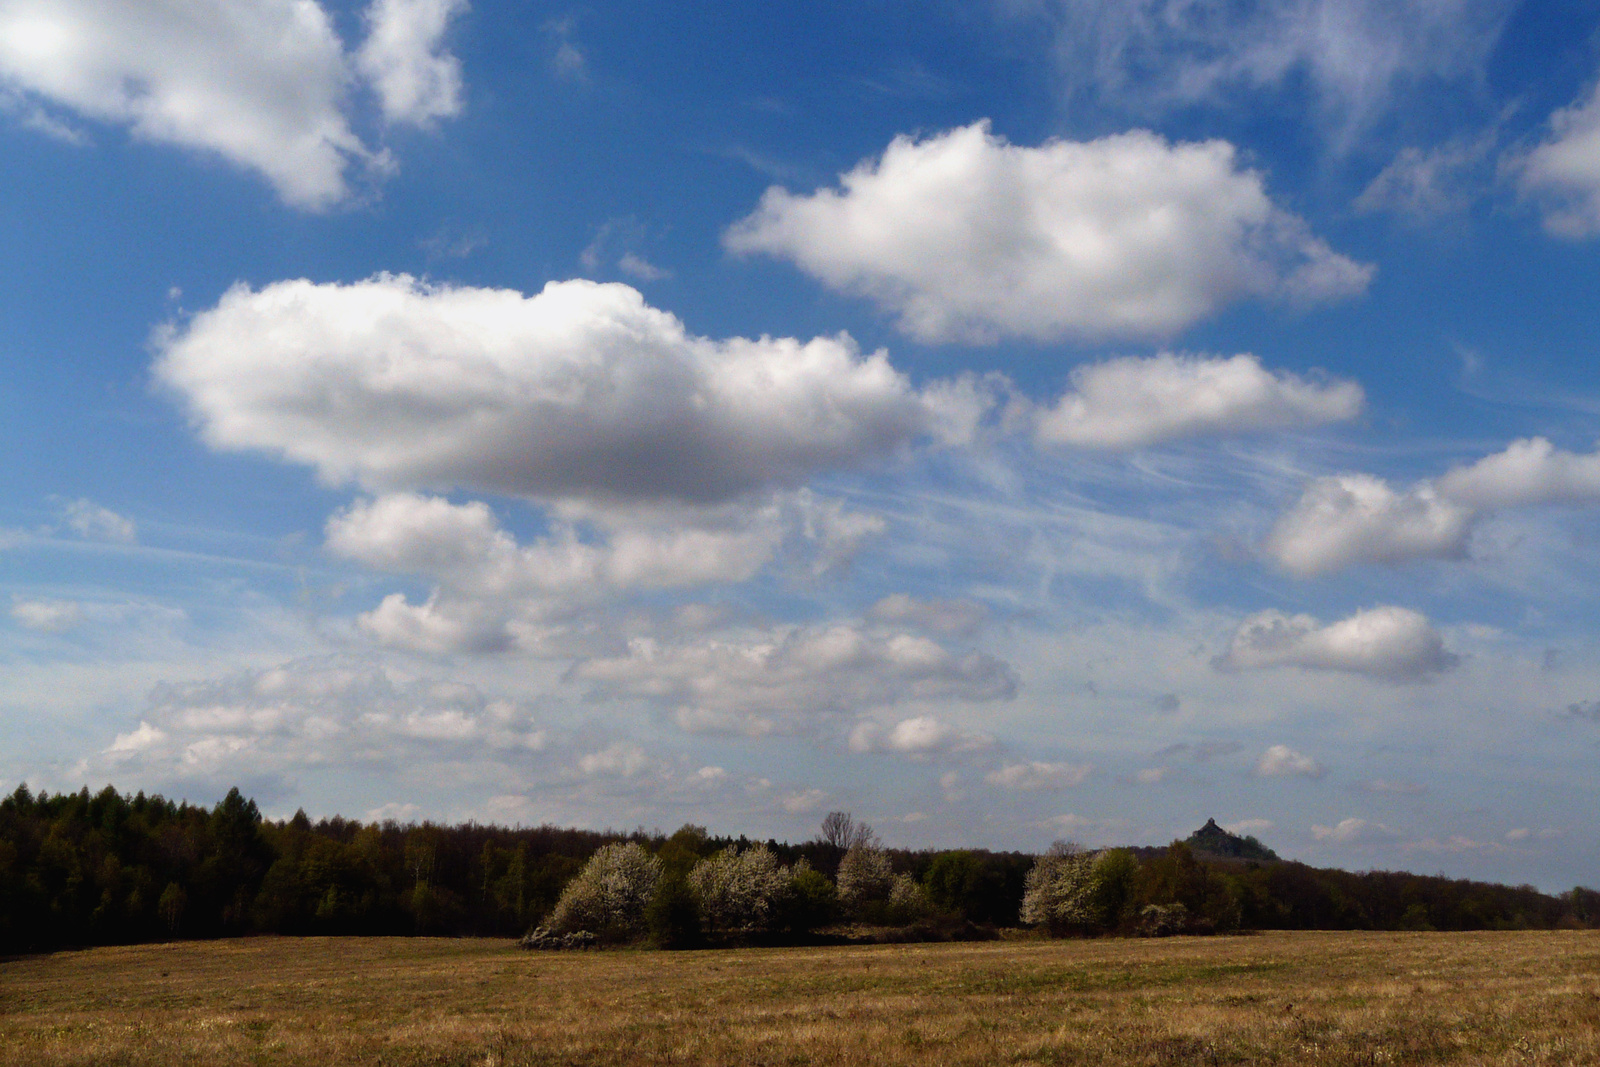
<point>740,892</point>
<point>610,893</point>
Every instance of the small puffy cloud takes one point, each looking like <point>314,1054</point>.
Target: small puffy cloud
<point>581,391</point>
<point>1152,775</point>
<point>1249,826</point>
<point>434,626</point>
<point>1528,473</point>
<point>621,760</point>
<point>1038,776</point>
<point>314,713</point>
<point>803,801</point>
<point>1390,643</point>
<point>464,545</point>
<point>636,266</point>
<point>790,678</point>
<point>1563,173</point>
<point>394,811</point>
<point>46,616</point>
<point>264,84</point>
<point>921,735</point>
<point>965,237</point>
<point>1132,402</point>
<point>1354,831</point>
<point>1281,761</point>
<point>415,80</point>
<point>95,523</point>
<point>1351,519</point>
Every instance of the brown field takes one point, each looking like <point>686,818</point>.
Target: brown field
<point>1305,998</point>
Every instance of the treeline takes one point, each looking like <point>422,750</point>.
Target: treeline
<point>81,869</point>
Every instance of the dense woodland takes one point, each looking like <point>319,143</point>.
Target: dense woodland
<point>85,869</point>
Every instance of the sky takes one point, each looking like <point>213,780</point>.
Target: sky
<point>1005,420</point>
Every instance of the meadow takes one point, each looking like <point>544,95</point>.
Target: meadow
<point>1301,998</point>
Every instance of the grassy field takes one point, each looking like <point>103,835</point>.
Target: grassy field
<point>1305,998</point>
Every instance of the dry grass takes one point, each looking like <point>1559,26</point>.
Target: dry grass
<point>1500,998</point>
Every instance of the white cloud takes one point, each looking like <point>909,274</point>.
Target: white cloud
<point>803,802</point>
<point>434,626</point>
<point>582,391</point>
<point>1281,761</point>
<point>1353,519</point>
<point>395,811</point>
<point>790,678</point>
<point>1563,173</point>
<point>464,545</point>
<point>1354,831</point>
<point>46,616</point>
<point>921,735</point>
<point>1133,402</point>
<point>1249,826</point>
<point>636,266</point>
<point>401,58</point>
<point>1528,473</point>
<point>95,523</point>
<point>1455,843</point>
<point>1426,183</point>
<point>620,760</point>
<point>1152,775</point>
<point>949,618</point>
<point>495,594</point>
<point>314,713</point>
<point>1035,775</point>
<point>1355,58</point>
<point>1350,519</point>
<point>1391,643</point>
<point>966,237</point>
<point>32,116</point>
<point>263,83</point>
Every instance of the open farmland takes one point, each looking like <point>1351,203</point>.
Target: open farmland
<point>1324,998</point>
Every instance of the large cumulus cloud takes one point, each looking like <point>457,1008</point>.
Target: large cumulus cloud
<point>1349,519</point>
<point>963,236</point>
<point>1391,643</point>
<point>580,391</point>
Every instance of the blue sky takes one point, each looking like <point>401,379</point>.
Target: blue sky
<point>1005,421</point>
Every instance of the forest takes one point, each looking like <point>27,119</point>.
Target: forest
<point>80,869</point>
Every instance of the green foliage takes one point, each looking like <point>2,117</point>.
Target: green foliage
<point>673,915</point>
<point>106,868</point>
<point>813,900</point>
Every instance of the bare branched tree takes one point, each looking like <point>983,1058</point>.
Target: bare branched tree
<point>841,830</point>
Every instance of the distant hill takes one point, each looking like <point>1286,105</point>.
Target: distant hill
<point>1213,840</point>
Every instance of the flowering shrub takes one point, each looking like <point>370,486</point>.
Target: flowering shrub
<point>865,881</point>
<point>1073,890</point>
<point>609,895</point>
<point>907,901</point>
<point>740,892</point>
